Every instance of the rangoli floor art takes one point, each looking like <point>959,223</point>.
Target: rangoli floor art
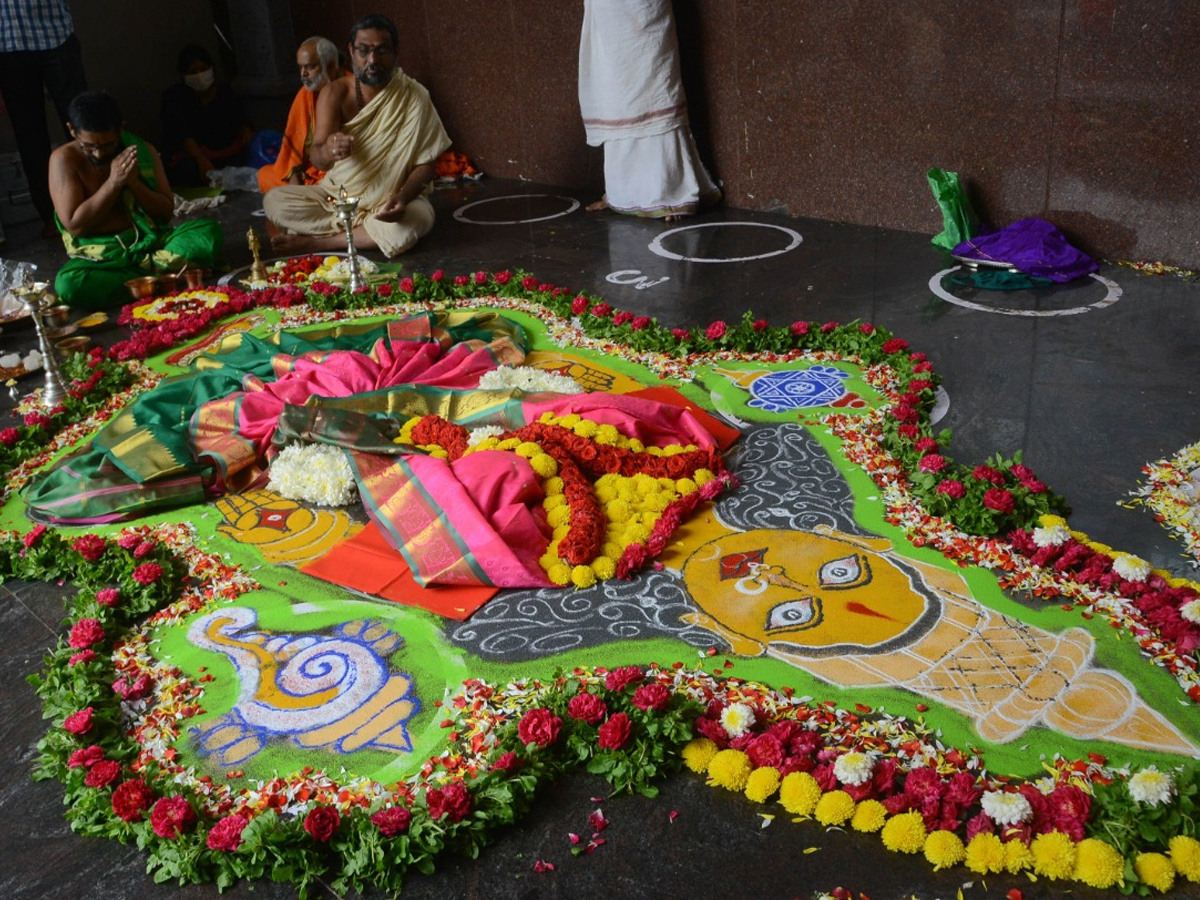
<point>358,573</point>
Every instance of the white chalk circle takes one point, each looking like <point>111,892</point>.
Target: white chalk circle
<point>656,246</point>
<point>941,406</point>
<point>1112,296</point>
<point>459,213</point>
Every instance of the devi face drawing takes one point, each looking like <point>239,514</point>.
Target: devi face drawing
<point>804,588</point>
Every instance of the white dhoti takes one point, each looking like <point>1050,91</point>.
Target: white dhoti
<point>395,133</point>
<point>632,100</point>
<point>308,209</point>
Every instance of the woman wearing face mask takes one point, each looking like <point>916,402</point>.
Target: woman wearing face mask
<point>204,126</point>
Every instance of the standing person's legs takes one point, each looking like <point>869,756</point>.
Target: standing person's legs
<point>21,85</point>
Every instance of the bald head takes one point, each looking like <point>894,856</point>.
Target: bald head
<point>317,59</point>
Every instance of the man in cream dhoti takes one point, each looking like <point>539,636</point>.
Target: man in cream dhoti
<point>378,137</point>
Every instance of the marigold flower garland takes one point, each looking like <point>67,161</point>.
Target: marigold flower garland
<point>613,502</point>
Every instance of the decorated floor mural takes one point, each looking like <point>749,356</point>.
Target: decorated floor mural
<point>517,532</point>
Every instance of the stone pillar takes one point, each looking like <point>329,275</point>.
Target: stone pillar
<point>264,44</point>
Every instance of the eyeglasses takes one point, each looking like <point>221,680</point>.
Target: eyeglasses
<point>381,51</point>
<point>97,148</point>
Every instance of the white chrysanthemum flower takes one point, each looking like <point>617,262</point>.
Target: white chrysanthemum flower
<point>853,767</point>
<point>1151,786</point>
<point>313,473</point>
<point>1131,568</point>
<point>528,379</point>
<point>1191,611</point>
<point>1006,808</point>
<point>482,433</point>
<point>737,719</point>
<point>1054,536</point>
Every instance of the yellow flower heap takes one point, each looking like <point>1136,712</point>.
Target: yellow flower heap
<point>637,499</point>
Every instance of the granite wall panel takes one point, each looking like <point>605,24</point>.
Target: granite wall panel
<point>1079,111</point>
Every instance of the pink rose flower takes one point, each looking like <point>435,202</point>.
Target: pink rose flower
<point>90,546</point>
<point>579,305</point>
<point>952,488</point>
<point>481,278</point>
<point>131,799</point>
<point>987,473</point>
<point>799,329</point>
<point>908,430</point>
<point>622,317</point>
<point>587,708</point>
<point>932,462</point>
<point>322,823</point>
<point>999,500</point>
<point>391,821</point>
<point>618,679</point>
<point>147,573</point>
<point>715,331</point>
<point>85,757</point>
<point>34,535</point>
<point>828,327</point>
<point>502,277</point>
<point>680,334</point>
<point>171,816</point>
<point>614,734</point>
<point>144,549</point>
<point>895,345</point>
<point>438,275</point>
<point>454,801</point>
<point>36,420</point>
<point>226,835</point>
<point>866,328</point>
<point>639,323</point>
<point>652,697</point>
<point>407,285</point>
<point>8,436</point>
<point>759,325</point>
<point>926,445</point>
<point>461,280</point>
<point>539,726</point>
<point>103,773</point>
<point>129,540</point>
<point>85,633</point>
<point>506,762</point>
<point>85,656</point>
<point>108,596</point>
<point>601,310</point>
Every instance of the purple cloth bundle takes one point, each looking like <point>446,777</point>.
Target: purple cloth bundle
<point>1033,246</point>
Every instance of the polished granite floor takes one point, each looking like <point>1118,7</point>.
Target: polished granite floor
<point>1093,380</point>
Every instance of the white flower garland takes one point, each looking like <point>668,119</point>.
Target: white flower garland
<point>528,379</point>
<point>313,473</point>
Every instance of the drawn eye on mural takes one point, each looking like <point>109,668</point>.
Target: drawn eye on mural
<point>849,571</point>
<point>792,614</point>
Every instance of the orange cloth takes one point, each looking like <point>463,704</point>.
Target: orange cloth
<point>368,563</point>
<point>293,152</point>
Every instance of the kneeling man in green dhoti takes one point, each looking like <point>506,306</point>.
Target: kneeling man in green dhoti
<point>113,205</point>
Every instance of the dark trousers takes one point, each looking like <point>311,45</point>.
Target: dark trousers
<point>26,77</point>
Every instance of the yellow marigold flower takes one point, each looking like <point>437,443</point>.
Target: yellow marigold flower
<point>435,451</point>
<point>1185,854</point>
<point>730,769</point>
<point>1048,521</point>
<point>552,486</point>
<point>604,568</point>
<point>702,476</point>
<point>585,428</point>
<point>658,501</point>
<point>1053,855</point>
<point>985,854</point>
<point>655,451</point>
<point>944,849</point>
<point>508,444</point>
<point>636,446</point>
<point>553,502</point>
<point>560,574</point>
<point>1155,870</point>
<point>617,510</point>
<point>834,808</point>
<point>544,465</point>
<point>1098,863</point>
<point>550,557</point>
<point>527,449</point>
<point>559,516</point>
<point>607,434</point>
<point>1017,857</point>
<point>698,753</point>
<point>635,533</point>
<point>606,491</point>
<point>869,816</point>
<point>583,576</point>
<point>612,550</point>
<point>686,486</point>
<point>570,420</point>
<point>644,484</point>
<point>799,793</point>
<point>904,833</point>
<point>547,418</point>
<point>762,784</point>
